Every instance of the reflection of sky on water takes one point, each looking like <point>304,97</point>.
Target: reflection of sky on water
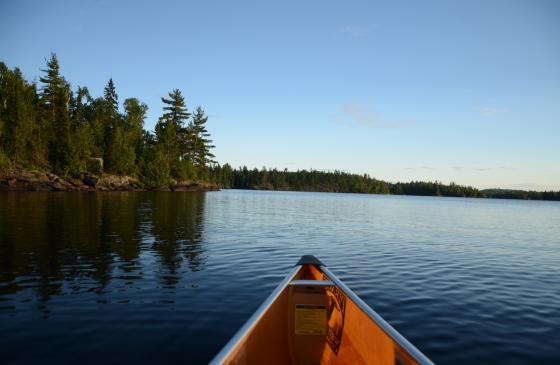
<point>132,276</point>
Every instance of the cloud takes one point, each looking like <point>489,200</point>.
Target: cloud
<point>482,168</point>
<point>489,111</point>
<point>354,114</point>
<point>479,168</point>
<point>490,168</point>
<point>420,168</point>
<point>354,30</point>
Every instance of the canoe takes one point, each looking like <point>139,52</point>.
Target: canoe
<point>314,318</point>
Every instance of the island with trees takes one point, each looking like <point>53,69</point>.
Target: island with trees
<point>69,140</point>
<point>57,138</point>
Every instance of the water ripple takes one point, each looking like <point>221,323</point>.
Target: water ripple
<point>163,276</point>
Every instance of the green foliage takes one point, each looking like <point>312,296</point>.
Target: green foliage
<point>94,167</point>
<point>65,131</point>
<point>521,194</point>
<point>20,133</point>
<point>435,188</point>
<point>172,136</point>
<point>4,161</point>
<point>154,172</point>
<point>201,144</point>
<point>301,180</point>
<point>55,101</point>
<point>336,181</point>
<point>121,155</point>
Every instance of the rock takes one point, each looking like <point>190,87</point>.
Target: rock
<point>30,180</point>
<point>90,181</point>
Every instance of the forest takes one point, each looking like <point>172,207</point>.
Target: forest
<point>342,182</point>
<point>50,126</point>
<point>53,127</point>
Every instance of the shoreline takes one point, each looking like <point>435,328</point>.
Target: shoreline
<point>22,180</point>
<point>34,180</point>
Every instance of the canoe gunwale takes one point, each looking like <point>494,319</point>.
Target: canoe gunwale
<point>254,319</point>
<point>378,320</point>
<point>399,341</point>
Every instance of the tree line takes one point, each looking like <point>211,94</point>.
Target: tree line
<point>53,127</point>
<point>343,182</point>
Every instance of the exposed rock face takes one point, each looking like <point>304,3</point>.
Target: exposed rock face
<point>25,180</point>
<point>117,183</point>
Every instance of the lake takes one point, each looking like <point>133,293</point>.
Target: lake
<point>170,277</point>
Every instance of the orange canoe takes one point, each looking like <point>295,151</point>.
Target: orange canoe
<point>314,318</point>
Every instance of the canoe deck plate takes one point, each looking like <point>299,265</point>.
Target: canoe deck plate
<point>310,319</point>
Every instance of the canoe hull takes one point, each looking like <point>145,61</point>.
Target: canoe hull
<point>313,318</point>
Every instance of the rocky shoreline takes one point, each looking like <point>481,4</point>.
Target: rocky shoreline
<point>32,180</point>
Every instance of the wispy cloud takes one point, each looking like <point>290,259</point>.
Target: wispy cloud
<point>354,114</point>
<point>481,168</point>
<point>355,30</point>
<point>490,168</point>
<point>491,110</point>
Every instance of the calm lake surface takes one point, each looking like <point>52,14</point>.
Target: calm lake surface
<point>169,277</point>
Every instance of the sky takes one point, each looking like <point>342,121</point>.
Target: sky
<point>462,91</point>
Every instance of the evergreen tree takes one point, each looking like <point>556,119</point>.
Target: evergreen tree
<point>111,97</point>
<point>127,137</point>
<point>82,141</point>
<point>119,157</point>
<point>133,124</point>
<point>19,129</point>
<point>201,144</point>
<point>172,136</point>
<point>55,100</point>
<point>98,121</point>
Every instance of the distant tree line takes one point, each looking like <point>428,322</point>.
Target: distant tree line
<point>521,194</point>
<point>342,182</point>
<point>52,127</point>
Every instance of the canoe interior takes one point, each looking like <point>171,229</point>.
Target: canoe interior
<point>315,324</point>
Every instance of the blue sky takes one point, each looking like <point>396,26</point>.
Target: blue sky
<point>432,90</point>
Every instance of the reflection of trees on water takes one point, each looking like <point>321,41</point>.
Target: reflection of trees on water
<point>177,221</point>
<point>59,243</point>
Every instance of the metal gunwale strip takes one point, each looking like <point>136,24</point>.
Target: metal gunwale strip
<point>252,321</point>
<point>374,316</point>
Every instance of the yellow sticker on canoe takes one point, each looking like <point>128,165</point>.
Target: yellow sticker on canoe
<point>311,319</point>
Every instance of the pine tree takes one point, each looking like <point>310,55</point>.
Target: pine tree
<point>111,97</point>
<point>175,109</point>
<point>116,156</point>
<point>201,144</point>
<point>55,99</point>
<point>172,136</point>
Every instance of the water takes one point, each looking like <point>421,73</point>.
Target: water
<point>169,277</point>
